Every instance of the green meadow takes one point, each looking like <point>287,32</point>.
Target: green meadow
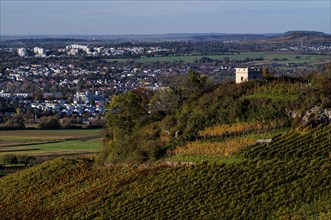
<point>49,142</point>
<point>280,58</point>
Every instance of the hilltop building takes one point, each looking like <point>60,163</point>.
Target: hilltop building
<point>248,73</point>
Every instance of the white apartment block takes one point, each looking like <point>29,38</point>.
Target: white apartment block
<point>21,52</point>
<point>39,51</point>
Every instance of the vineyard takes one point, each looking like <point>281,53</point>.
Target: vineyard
<point>221,143</point>
<point>240,128</point>
<point>225,148</point>
<point>298,143</point>
<point>277,180</point>
<point>277,91</point>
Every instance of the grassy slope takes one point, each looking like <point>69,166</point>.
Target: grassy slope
<point>264,184</point>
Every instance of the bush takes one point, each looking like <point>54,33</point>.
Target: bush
<point>15,122</point>
<point>26,160</point>
<point>8,159</point>
<point>14,159</point>
<point>49,123</point>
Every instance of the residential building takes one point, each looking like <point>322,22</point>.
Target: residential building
<point>21,52</point>
<point>39,51</point>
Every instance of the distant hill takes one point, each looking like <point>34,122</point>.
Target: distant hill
<point>302,36</point>
<point>144,37</point>
<point>290,35</point>
<point>306,33</point>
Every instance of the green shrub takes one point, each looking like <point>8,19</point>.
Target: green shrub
<point>8,159</point>
<point>26,160</point>
<point>49,123</point>
<point>16,159</point>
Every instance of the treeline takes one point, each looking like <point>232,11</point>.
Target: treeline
<point>141,125</point>
<point>17,159</point>
<point>22,121</point>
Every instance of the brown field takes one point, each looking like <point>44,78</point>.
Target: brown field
<point>62,134</point>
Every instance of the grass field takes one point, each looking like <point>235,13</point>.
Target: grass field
<point>49,142</point>
<point>281,58</point>
<point>59,148</point>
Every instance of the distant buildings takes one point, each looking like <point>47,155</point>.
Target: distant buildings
<point>23,95</point>
<point>21,52</point>
<point>89,50</point>
<point>246,74</point>
<point>87,96</point>
<point>39,52</point>
<point>77,46</point>
<point>73,49</point>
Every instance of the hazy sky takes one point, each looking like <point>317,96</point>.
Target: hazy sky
<point>159,16</point>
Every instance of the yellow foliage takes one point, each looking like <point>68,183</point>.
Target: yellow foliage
<point>224,148</point>
<point>239,127</point>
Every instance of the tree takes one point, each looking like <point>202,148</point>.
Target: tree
<point>196,79</point>
<point>125,116</point>
<point>15,122</point>
<point>51,122</point>
<point>165,101</point>
<point>8,159</point>
<point>125,113</point>
<point>193,85</point>
<point>226,60</point>
<point>265,73</point>
<point>38,95</point>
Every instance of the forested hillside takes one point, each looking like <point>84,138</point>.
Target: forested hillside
<point>143,126</point>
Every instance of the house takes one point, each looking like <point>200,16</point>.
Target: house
<point>23,95</point>
<point>5,94</point>
<point>248,73</point>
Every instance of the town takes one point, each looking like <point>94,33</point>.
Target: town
<point>77,79</point>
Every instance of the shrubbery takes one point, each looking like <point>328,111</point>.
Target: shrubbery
<point>14,122</point>
<point>16,159</point>
<point>50,122</point>
<point>8,159</point>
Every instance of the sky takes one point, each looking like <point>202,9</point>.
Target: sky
<point>112,17</point>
